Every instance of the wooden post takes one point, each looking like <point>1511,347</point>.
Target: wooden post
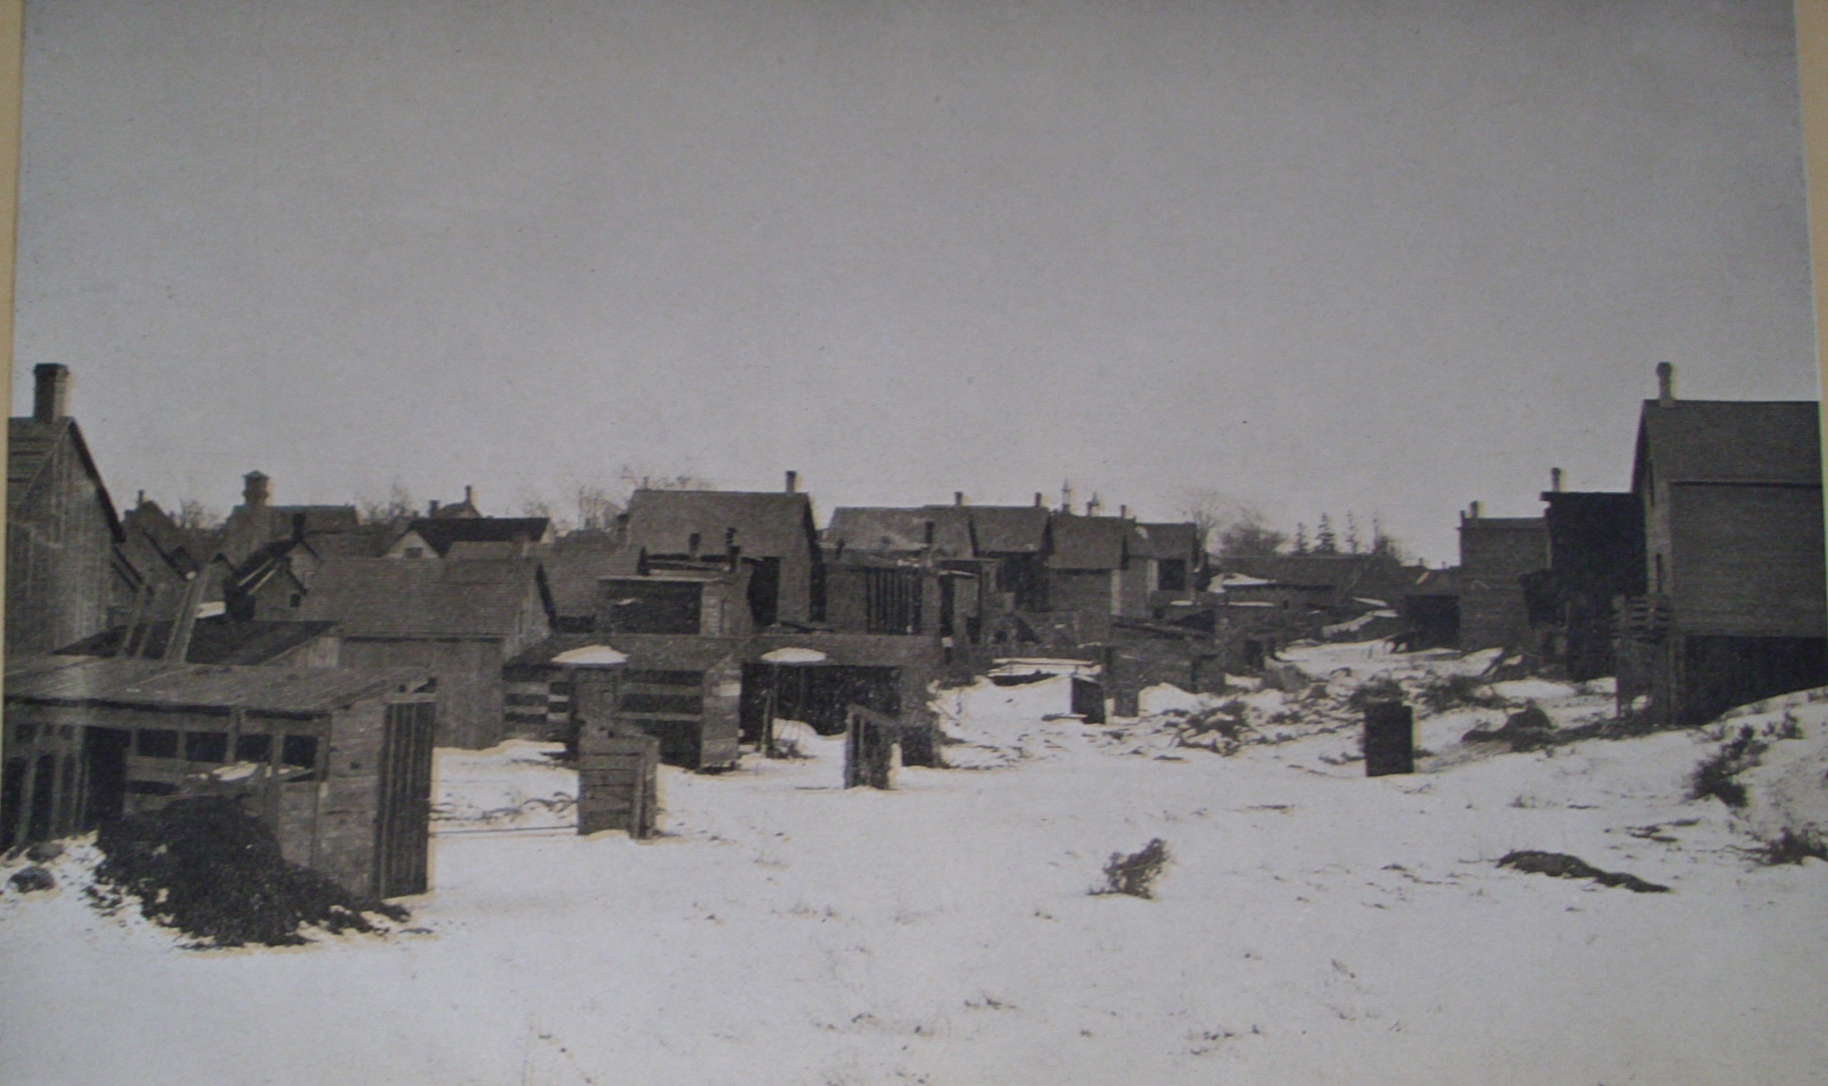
<point>1389,739</point>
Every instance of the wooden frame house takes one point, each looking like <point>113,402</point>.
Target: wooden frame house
<point>1734,611</point>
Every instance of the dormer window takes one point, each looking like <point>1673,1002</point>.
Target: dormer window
<point>415,552</point>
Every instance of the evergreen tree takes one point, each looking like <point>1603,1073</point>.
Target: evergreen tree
<point>1301,539</point>
<point>1351,532</point>
<point>1325,542</point>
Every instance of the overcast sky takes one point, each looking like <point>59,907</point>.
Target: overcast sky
<point>1383,257</point>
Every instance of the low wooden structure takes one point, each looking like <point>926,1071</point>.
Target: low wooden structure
<point>337,761</point>
<point>872,748</point>
<point>618,777</point>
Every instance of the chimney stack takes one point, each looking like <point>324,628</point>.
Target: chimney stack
<point>958,497</point>
<point>51,392</point>
<point>1555,480</point>
<point>1093,506</point>
<point>1473,509</point>
<point>469,496</point>
<point>1040,500</point>
<point>432,509</point>
<point>793,482</point>
<point>1066,497</point>
<point>1666,384</point>
<point>1123,512</point>
<point>254,491</point>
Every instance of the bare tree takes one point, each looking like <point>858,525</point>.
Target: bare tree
<point>193,515</point>
<point>1214,512</point>
<point>597,508</point>
<point>1250,539</point>
<point>397,508</point>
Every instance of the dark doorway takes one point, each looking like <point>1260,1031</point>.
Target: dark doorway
<point>765,591</point>
<point>105,750</point>
<point>12,800</point>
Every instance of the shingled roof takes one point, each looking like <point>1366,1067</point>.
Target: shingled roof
<point>1092,542</point>
<point>385,597</point>
<point>212,641</point>
<point>31,445</point>
<point>1167,540</point>
<point>79,681</point>
<point>1725,441</point>
<point>440,534</point>
<point>875,528</point>
<point>576,563</point>
<point>767,525</point>
<point>1009,529</point>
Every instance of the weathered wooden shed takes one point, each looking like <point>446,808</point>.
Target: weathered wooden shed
<point>683,690</point>
<point>886,673</point>
<point>63,566</point>
<point>459,620</point>
<point>1596,554</point>
<point>336,760</point>
<point>1496,553</point>
<point>773,533</point>
<point>1732,501</point>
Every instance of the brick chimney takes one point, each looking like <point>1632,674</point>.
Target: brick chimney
<point>254,493</point>
<point>1040,500</point>
<point>1092,507</point>
<point>958,497</point>
<point>469,496</point>
<point>1666,384</point>
<point>1555,480</point>
<point>50,392</point>
<point>793,482</point>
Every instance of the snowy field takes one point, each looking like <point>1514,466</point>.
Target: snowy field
<point>1313,925</point>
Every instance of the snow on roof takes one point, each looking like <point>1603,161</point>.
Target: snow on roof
<point>1242,579</point>
<point>591,656</point>
<point>792,655</point>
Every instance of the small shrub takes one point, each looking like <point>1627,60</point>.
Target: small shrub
<point>1136,873</point>
<point>1714,777</point>
<point>1793,848</point>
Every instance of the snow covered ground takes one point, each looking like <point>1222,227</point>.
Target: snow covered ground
<point>1313,925</point>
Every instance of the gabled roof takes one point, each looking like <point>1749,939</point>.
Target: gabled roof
<point>1091,542</point>
<point>81,680</point>
<point>767,525</point>
<point>384,597</point>
<point>875,528</point>
<point>1009,529</point>
<point>152,536</point>
<point>1726,441</point>
<point>30,445</point>
<point>212,641</point>
<point>1168,540</point>
<point>574,565</point>
<point>441,534</point>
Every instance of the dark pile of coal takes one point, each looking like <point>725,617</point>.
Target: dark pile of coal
<point>209,869</point>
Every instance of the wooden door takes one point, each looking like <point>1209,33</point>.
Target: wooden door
<point>403,825</point>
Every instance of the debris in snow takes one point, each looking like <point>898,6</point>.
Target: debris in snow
<point>1563,866</point>
<point>207,868</point>
<point>43,852</point>
<point>1528,729</point>
<point>1136,873</point>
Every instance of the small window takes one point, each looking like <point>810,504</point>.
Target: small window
<point>415,552</point>
<point>253,748</point>
<point>24,733</point>
<point>206,746</point>
<point>300,751</point>
<point>156,743</point>
<point>297,599</point>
